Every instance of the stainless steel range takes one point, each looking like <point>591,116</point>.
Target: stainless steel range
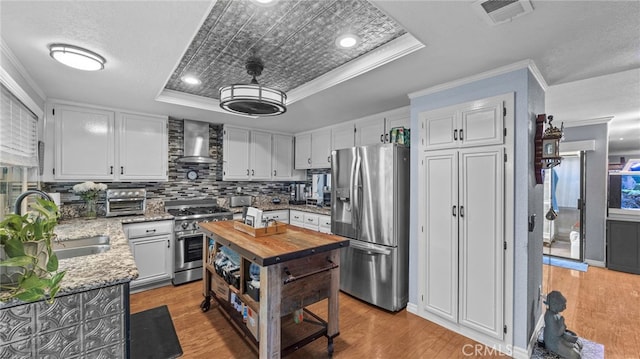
<point>188,236</point>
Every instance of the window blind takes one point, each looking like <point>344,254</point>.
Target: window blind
<point>18,132</point>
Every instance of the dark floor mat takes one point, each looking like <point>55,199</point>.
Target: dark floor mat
<point>153,335</point>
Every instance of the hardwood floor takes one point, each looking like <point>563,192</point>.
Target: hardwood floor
<point>602,306</point>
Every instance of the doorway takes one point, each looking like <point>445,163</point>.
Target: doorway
<point>564,192</point>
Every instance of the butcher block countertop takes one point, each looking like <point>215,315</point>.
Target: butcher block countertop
<point>294,243</point>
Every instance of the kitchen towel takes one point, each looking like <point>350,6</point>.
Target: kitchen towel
<point>153,335</point>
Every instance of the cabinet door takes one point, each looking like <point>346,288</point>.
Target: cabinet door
<point>321,149</point>
<point>439,250</point>
<point>438,129</point>
<point>153,259</point>
<point>85,143</point>
<point>623,246</point>
<point>260,155</point>
<point>324,224</point>
<point>296,218</point>
<point>481,258</point>
<point>143,145</point>
<point>303,151</point>
<point>481,122</point>
<point>370,132</point>
<point>282,157</point>
<point>403,121</point>
<point>235,154</point>
<point>342,136</point>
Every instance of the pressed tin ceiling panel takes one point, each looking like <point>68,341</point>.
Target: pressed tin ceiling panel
<point>294,39</point>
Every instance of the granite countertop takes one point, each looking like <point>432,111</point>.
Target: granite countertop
<point>285,206</point>
<point>103,269</point>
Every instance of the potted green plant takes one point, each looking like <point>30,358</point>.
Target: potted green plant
<point>29,265</point>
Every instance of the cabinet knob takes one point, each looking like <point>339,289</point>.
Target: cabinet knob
<point>309,160</point>
<point>110,170</point>
<point>247,171</point>
<point>461,136</point>
<point>382,138</point>
<point>252,172</point>
<point>455,134</point>
<point>386,137</point>
<point>121,170</point>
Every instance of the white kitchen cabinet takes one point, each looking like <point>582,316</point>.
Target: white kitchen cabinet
<point>296,218</point>
<point>99,144</point>
<point>250,155</point>
<point>321,149</point>
<point>260,156</point>
<point>280,215</point>
<point>375,129</point>
<point>462,240</point>
<point>84,143</point>
<point>151,244</point>
<point>324,223</point>
<point>282,159</point>
<point>143,147</point>
<point>303,151</point>
<point>342,136</point>
<point>235,154</point>
<point>476,123</point>
<point>313,150</point>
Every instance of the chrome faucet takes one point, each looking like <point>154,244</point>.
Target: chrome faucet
<point>17,208</point>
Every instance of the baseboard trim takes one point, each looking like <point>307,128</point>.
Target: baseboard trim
<point>600,264</point>
<point>412,308</point>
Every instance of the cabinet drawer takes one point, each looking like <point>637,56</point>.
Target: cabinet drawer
<point>311,219</point>
<point>148,229</point>
<point>296,217</point>
<point>325,221</point>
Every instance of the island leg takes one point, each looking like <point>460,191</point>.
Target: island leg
<point>333,328</point>
<point>270,298</point>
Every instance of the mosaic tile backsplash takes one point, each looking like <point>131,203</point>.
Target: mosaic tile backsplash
<point>208,184</point>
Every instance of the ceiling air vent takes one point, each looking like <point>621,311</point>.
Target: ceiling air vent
<point>498,11</point>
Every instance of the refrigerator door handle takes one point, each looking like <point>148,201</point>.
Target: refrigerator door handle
<point>355,195</point>
<point>369,249</point>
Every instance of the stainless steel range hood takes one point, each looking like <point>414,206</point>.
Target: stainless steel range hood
<point>196,143</point>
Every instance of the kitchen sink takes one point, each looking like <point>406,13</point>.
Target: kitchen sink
<point>81,246</point>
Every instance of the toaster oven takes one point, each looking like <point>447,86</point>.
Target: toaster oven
<point>126,201</point>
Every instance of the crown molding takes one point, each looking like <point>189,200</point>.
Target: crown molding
<point>393,50</point>
<point>592,121</point>
<point>524,64</point>
<point>6,51</point>
<point>19,93</point>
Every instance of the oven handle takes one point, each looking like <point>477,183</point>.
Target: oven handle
<point>125,199</point>
<point>183,236</point>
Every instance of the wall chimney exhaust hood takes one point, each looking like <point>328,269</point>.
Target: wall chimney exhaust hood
<point>196,143</point>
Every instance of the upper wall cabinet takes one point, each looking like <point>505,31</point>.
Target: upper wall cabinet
<point>342,136</point>
<point>98,144</point>
<point>375,129</point>
<point>250,155</point>
<point>478,123</point>
<point>313,150</point>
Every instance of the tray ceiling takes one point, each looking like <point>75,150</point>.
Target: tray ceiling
<point>294,39</point>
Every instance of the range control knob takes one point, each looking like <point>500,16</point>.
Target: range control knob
<point>194,225</point>
<point>184,225</point>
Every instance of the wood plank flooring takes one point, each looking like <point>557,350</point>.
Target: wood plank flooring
<point>602,305</point>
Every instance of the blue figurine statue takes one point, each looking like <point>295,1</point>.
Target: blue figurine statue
<point>557,338</point>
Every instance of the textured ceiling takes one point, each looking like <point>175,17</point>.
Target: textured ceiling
<point>294,39</point>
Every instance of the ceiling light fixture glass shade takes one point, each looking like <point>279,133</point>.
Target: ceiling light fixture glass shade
<point>347,41</point>
<point>77,57</point>
<point>253,99</point>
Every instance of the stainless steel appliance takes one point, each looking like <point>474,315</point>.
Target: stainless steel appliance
<point>126,201</point>
<point>189,237</point>
<point>370,205</point>
<point>297,193</point>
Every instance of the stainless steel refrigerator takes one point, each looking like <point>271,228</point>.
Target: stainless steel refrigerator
<point>370,205</point>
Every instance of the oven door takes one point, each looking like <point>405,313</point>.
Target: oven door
<point>188,250</point>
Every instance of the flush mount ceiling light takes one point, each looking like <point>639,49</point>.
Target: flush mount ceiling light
<point>253,99</point>
<point>347,41</point>
<point>77,57</point>
<point>265,2</point>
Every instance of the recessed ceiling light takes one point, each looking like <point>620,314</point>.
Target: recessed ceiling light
<point>188,79</point>
<point>346,41</point>
<point>77,57</point>
<point>265,2</point>
<point>621,138</point>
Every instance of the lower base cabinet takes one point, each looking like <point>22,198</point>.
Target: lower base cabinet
<point>623,246</point>
<point>152,247</point>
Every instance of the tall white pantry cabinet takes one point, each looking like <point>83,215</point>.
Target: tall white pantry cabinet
<point>461,213</point>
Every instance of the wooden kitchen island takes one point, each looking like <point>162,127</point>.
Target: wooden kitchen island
<point>298,267</point>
